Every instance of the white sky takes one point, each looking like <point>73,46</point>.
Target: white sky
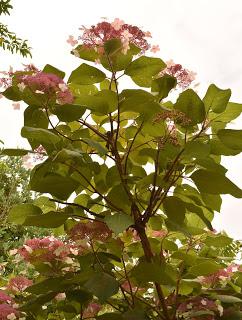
<point>203,35</point>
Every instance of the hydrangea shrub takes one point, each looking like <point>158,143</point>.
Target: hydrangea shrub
<point>131,181</point>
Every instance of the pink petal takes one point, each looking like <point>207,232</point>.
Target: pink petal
<point>16,106</point>
<point>155,49</point>
<point>148,34</point>
<point>71,41</point>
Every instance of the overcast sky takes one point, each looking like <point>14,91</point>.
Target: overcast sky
<point>203,35</point>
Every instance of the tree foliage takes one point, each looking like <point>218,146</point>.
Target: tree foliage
<point>8,39</point>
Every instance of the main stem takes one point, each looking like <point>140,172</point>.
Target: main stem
<point>140,228</point>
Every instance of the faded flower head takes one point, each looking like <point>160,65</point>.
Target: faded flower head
<point>186,309</point>
<point>19,284</point>
<point>97,35</point>
<point>161,141</point>
<point>183,76</point>
<point>46,249</point>
<point>174,116</point>
<point>91,230</point>
<point>91,310</point>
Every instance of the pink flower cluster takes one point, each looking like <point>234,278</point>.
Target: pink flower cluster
<point>38,156</point>
<point>46,83</point>
<point>97,35</point>
<point>7,307</point>
<point>220,275</point>
<point>40,153</point>
<point>198,304</point>
<point>92,310</point>
<point>8,312</point>
<point>6,79</point>
<point>184,76</point>
<point>91,230</point>
<point>46,249</point>
<point>18,284</point>
<point>38,82</point>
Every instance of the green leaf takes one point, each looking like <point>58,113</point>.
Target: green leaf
<point>48,220</point>
<point>216,99</point>
<point>102,285</point>
<point>119,197</point>
<point>141,105</point>
<point>210,164</point>
<point>79,296</point>
<point>204,268</point>
<point>231,138</point>
<point>44,179</point>
<point>51,284</point>
<point>196,149</point>
<point>34,117</point>
<point>96,145</point>
<point>86,74</point>
<point>115,59</point>
<point>15,152</point>
<point>85,53</point>
<point>50,69</point>
<point>110,316</point>
<point>228,299</point>
<point>33,305</point>
<point>35,99</point>
<point>19,213</point>
<point>151,272</point>
<point>143,69</point>
<point>212,201</point>
<point>218,148</point>
<point>189,103</point>
<point>219,241</point>
<point>135,314</point>
<point>40,135</point>
<point>232,111</point>
<point>69,112</point>
<point>199,212</point>
<point>215,183</point>
<point>162,86</point>
<point>175,209</point>
<point>96,104</point>
<point>12,93</point>
<point>79,90</point>
<point>118,222</point>
<point>110,98</point>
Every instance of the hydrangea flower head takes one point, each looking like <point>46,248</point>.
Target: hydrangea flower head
<point>45,249</point>
<point>19,284</point>
<point>92,230</point>
<point>97,35</point>
<point>91,310</point>
<point>47,83</point>
<point>5,298</point>
<point>221,275</point>
<point>196,304</point>
<point>8,312</point>
<point>183,76</point>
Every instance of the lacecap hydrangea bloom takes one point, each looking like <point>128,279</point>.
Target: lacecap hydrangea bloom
<point>96,36</point>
